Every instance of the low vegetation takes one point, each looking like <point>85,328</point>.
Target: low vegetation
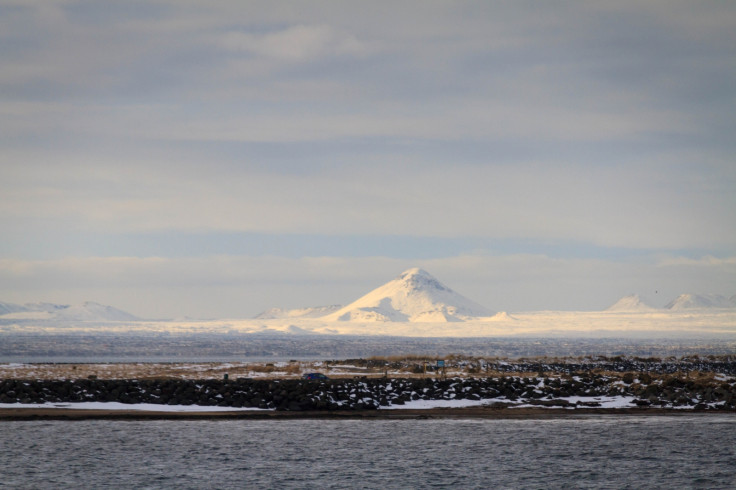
<point>392,366</point>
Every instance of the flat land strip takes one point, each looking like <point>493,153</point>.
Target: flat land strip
<point>367,387</point>
<point>9,414</point>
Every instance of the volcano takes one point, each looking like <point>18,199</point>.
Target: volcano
<point>414,296</point>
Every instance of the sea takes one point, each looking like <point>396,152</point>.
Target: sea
<point>578,451</point>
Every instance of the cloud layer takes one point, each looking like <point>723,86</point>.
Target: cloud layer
<point>577,125</point>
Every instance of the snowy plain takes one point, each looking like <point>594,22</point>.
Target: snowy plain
<point>662,324</point>
<point>413,304</point>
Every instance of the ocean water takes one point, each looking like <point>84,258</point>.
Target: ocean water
<point>686,451</point>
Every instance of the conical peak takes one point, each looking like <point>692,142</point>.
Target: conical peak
<point>414,296</point>
<point>414,271</point>
<point>632,302</point>
<point>418,279</point>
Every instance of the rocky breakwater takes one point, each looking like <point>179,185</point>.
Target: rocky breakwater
<point>712,392</point>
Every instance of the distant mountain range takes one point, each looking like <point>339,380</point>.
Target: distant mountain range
<point>414,296</point>
<point>313,312</point>
<point>85,312</point>
<point>687,301</point>
<point>691,301</point>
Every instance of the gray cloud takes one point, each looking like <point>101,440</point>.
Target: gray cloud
<point>638,205</point>
<point>604,123</point>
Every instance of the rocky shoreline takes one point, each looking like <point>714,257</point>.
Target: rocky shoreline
<point>694,391</point>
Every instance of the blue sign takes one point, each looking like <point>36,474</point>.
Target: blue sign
<point>441,364</point>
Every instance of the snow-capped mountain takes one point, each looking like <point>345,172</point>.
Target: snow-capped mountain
<point>691,301</point>
<point>414,296</point>
<point>88,311</point>
<point>313,312</point>
<point>631,302</point>
<point>8,308</point>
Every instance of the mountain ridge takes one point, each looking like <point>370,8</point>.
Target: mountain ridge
<point>87,311</point>
<point>631,302</point>
<point>308,312</point>
<point>689,301</point>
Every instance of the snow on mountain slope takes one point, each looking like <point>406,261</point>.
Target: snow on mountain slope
<point>47,307</point>
<point>691,301</point>
<point>414,296</point>
<point>29,311</point>
<point>8,308</point>
<point>312,312</point>
<point>631,302</point>
<point>88,311</point>
<point>502,316</point>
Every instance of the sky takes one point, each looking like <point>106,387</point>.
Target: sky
<point>214,159</point>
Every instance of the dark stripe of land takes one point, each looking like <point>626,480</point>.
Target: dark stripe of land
<point>539,389</point>
<point>30,414</point>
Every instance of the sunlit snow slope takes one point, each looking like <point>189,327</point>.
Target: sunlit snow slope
<point>414,296</point>
<point>313,312</point>
<point>691,301</point>
<point>88,311</point>
<point>631,302</point>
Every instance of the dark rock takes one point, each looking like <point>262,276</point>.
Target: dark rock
<point>550,403</point>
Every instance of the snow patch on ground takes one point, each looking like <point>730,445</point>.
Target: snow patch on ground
<point>605,402</point>
<point>426,404</point>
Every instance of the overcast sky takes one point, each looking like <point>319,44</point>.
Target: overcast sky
<point>214,159</point>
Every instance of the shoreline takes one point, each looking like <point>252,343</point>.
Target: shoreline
<point>492,413</point>
<point>368,388</point>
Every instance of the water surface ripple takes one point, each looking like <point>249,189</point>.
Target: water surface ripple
<point>688,451</point>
